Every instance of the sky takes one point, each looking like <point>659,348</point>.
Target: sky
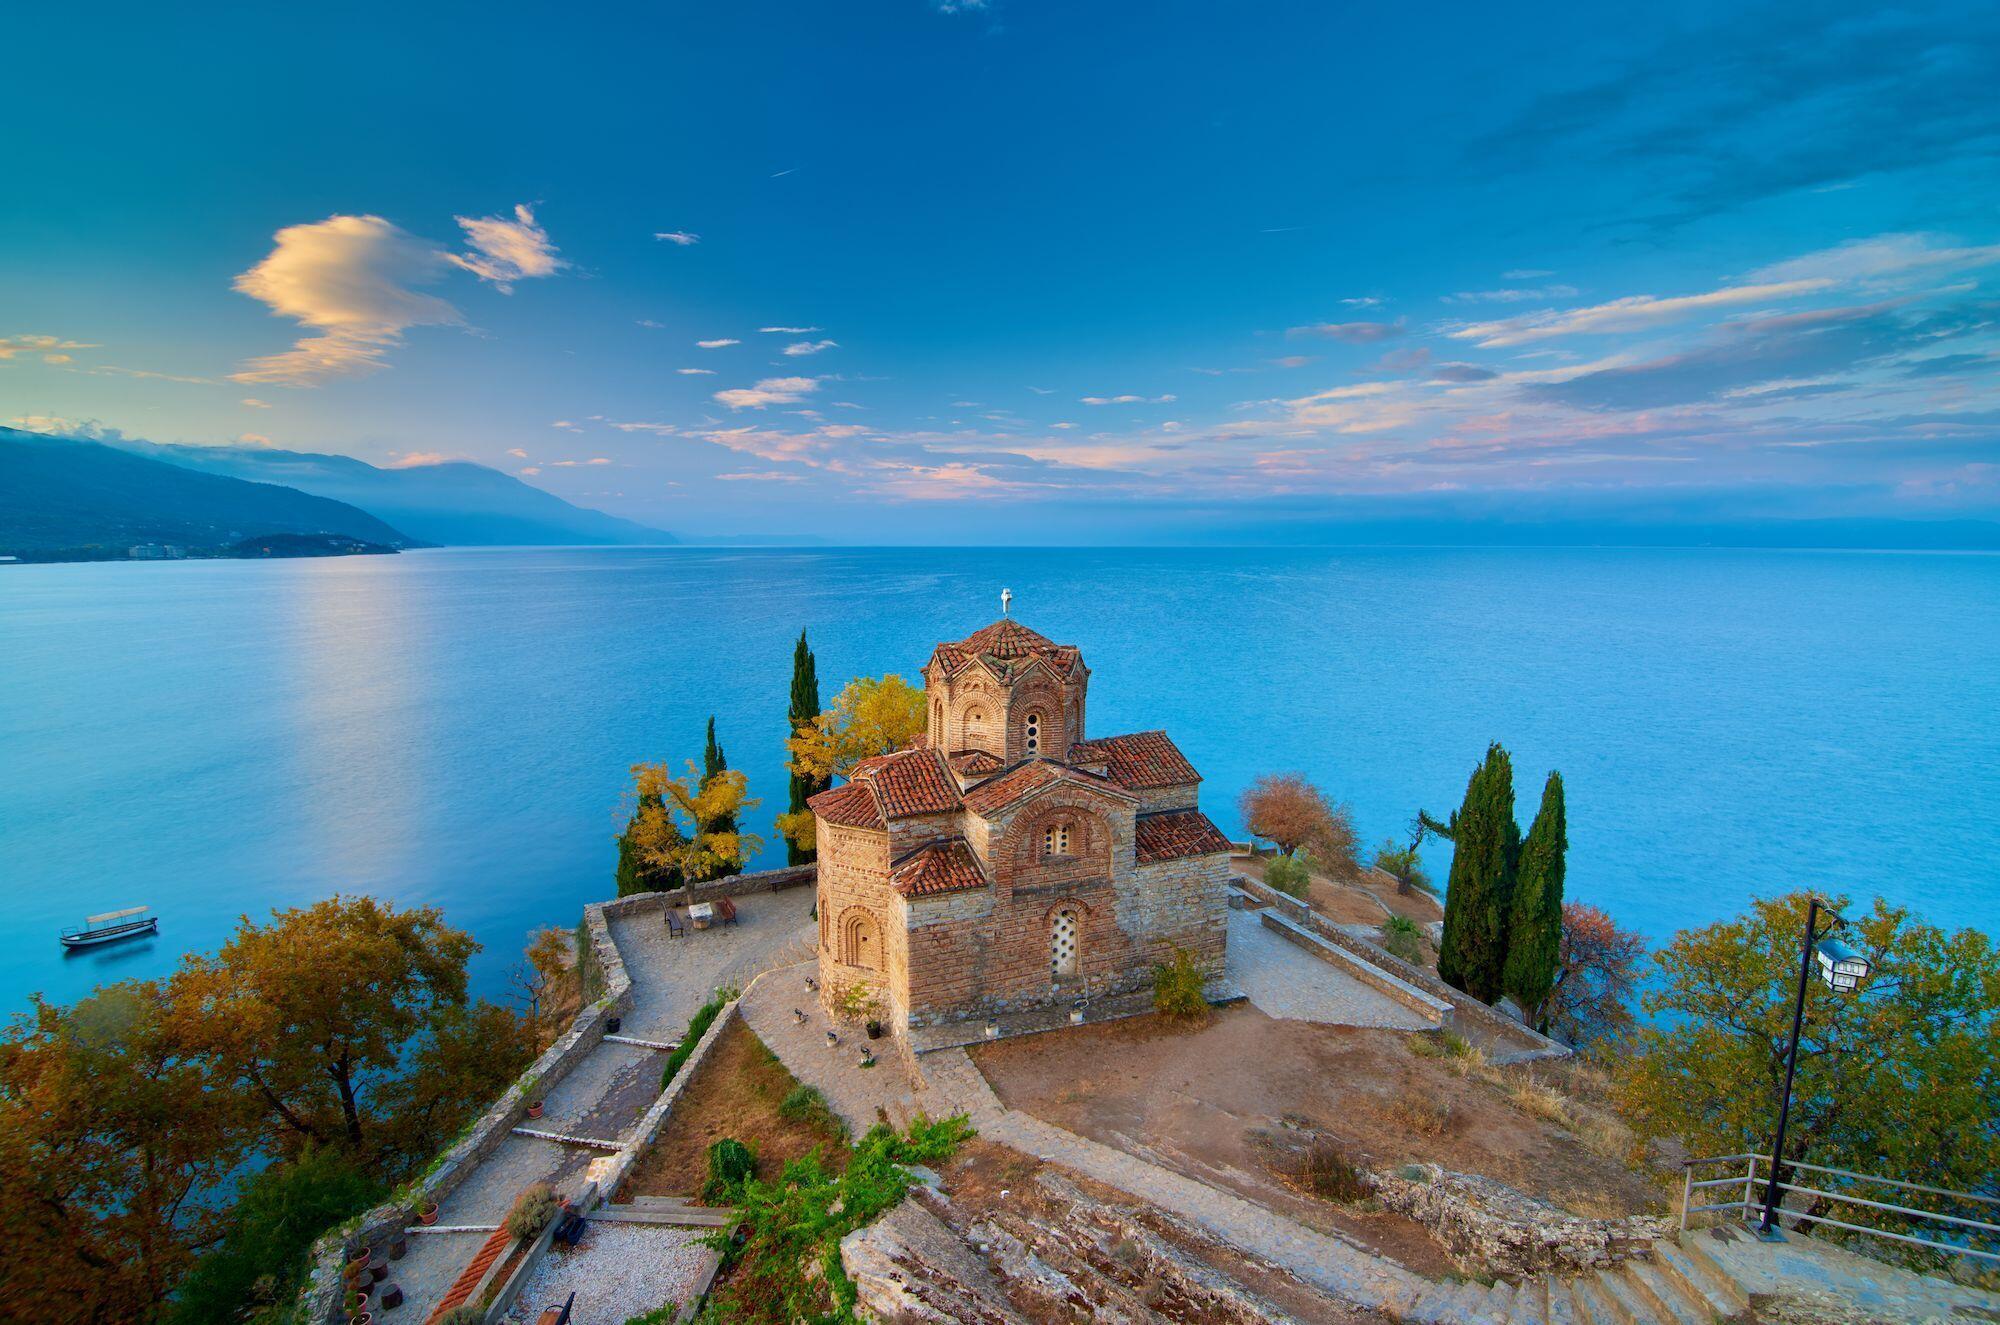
<point>951,271</point>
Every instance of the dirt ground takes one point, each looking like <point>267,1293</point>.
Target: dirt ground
<point>992,1183</point>
<point>1218,1103</point>
<point>1354,901</point>
<point>735,1093</point>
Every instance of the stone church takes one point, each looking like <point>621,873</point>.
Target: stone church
<point>1008,862</point>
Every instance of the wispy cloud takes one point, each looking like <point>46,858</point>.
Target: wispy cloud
<point>1639,312</point>
<point>695,372</point>
<point>1351,333</point>
<point>1866,262</point>
<point>1513,295</point>
<point>251,402</point>
<point>718,343</point>
<point>684,238</point>
<point>769,391</point>
<point>759,476</point>
<point>506,250</point>
<point>51,348</point>
<point>788,331</point>
<point>803,347</point>
<point>1129,400</point>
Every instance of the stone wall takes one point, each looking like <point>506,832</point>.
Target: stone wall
<point>1494,1229</point>
<point>1465,1008</point>
<point>734,885</point>
<point>609,1173</point>
<point>322,1295</point>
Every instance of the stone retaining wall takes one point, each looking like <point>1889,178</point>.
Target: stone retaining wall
<point>1465,1008</point>
<point>322,1294</point>
<point>1428,1006</point>
<point>610,1172</point>
<point>1495,1229</point>
<point>735,885</point>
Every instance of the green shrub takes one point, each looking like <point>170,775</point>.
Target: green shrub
<point>1289,875</point>
<point>805,1104</point>
<point>730,1165</point>
<point>1177,987</point>
<point>533,1209</point>
<point>463,1315</point>
<point>1401,938</point>
<point>697,1027</point>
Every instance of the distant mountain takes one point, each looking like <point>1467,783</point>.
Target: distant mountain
<point>458,503</point>
<point>60,496</point>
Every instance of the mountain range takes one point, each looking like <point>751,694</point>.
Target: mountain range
<point>64,497</point>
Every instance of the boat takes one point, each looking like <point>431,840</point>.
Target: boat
<point>110,927</point>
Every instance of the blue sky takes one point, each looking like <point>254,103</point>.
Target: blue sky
<point>904,271</point>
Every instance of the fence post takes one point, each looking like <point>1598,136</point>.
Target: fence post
<point>1687,1192</point>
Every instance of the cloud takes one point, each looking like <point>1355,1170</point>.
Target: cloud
<point>798,348</point>
<point>49,347</point>
<point>695,372</point>
<point>518,453</point>
<point>961,6</point>
<point>1639,312</point>
<point>1351,333</point>
<point>251,402</point>
<point>769,391</point>
<point>659,429</point>
<point>418,460</point>
<point>1462,372</point>
<point>1293,361</point>
<point>787,331</point>
<point>505,251</point>
<point>649,322</point>
<point>1525,274</point>
<point>718,343</point>
<point>579,464</point>
<point>1129,400</point>
<point>349,278</point>
<point>566,425</point>
<point>759,476</point>
<point>1363,301</point>
<point>1512,295</point>
<point>684,238</point>
<point>529,470</point>
<point>1867,261</point>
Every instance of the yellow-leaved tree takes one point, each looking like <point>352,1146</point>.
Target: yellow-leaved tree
<point>872,715</point>
<point>685,826</point>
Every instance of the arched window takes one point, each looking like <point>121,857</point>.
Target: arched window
<point>1055,840</point>
<point>1034,733</point>
<point>861,941</point>
<point>1063,943</point>
<point>974,719</point>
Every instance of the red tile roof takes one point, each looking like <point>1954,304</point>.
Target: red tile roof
<point>850,804</point>
<point>1175,834</point>
<point>1009,647</point>
<point>909,782</point>
<point>974,762</point>
<point>1140,760</point>
<point>996,794</point>
<point>942,867</point>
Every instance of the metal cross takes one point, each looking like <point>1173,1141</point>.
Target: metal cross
<point>1006,597</point>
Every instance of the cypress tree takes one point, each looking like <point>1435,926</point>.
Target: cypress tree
<point>1534,925</point>
<point>1485,841</point>
<point>805,707</point>
<point>633,874</point>
<point>714,762</point>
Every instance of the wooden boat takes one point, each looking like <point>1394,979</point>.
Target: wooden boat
<point>110,927</point>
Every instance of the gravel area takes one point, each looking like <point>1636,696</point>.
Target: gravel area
<point>620,1271</point>
<point>1283,980</point>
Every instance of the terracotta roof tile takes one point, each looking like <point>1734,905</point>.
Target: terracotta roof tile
<point>973,763</point>
<point>850,804</point>
<point>1140,760</point>
<point>1175,834</point>
<point>909,782</point>
<point>1009,647</point>
<point>943,867</point>
<point>997,793</point>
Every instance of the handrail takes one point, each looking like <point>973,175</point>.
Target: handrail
<point>1747,1205</point>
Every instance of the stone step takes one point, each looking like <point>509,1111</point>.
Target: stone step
<point>1444,1304</point>
<point>1697,1247</point>
<point>612,1214</point>
<point>1562,1308</point>
<point>1709,1286</point>
<point>1628,1303</point>
<point>564,1139</point>
<point>663,1046</point>
<point>1531,1303</point>
<point>1675,1306</point>
<point>1593,1304</point>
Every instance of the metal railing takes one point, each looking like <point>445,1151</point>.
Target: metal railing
<point>1750,1203</point>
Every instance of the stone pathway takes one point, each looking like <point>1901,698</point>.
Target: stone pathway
<point>606,1094</point>
<point>620,1271</point>
<point>861,1096</point>
<point>1284,980</point>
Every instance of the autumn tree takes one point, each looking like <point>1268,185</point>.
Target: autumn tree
<point>1479,890</point>
<point>1535,909</point>
<point>1900,1079</point>
<point>713,765</point>
<point>314,1013</point>
<point>804,710</point>
<point>636,872</point>
<point>548,985</point>
<point>1597,971</point>
<point>677,826</point>
<point>1297,815</point>
<point>114,1141</point>
<point>870,716</point>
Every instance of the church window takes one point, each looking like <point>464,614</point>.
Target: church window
<point>1063,943</point>
<point>1055,840</point>
<point>861,941</point>
<point>1034,733</point>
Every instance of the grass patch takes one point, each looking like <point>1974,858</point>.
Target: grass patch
<point>1422,1112</point>
<point>1324,1169</point>
<point>805,1104</point>
<point>787,1267</point>
<point>1401,938</point>
<point>1540,1101</point>
<point>1177,987</point>
<point>698,1025</point>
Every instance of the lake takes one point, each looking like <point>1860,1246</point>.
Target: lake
<point>454,727</point>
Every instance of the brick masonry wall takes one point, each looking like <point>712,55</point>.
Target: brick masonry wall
<point>854,887</point>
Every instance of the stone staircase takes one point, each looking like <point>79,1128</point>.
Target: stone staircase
<point>674,1211</point>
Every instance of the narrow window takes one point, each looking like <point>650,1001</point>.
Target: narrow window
<point>1034,733</point>
<point>1063,944</point>
<point>1055,840</point>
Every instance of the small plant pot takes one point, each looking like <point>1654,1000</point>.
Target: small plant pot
<point>875,1029</point>
<point>378,1270</point>
<point>611,1025</point>
<point>535,1109</point>
<point>429,1214</point>
<point>399,1247</point>
<point>359,1262</point>
<point>361,1318</point>
<point>392,1296</point>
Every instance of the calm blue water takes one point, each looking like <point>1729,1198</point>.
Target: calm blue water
<point>454,727</point>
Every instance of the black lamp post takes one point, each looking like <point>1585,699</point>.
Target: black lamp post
<point>1843,969</point>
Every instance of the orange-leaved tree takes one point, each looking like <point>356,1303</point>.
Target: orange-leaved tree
<point>686,827</point>
<point>870,716</point>
<point>1292,812</point>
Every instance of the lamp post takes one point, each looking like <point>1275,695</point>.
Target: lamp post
<point>1843,969</point>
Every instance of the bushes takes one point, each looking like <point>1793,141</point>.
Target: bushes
<point>463,1315</point>
<point>788,1266</point>
<point>805,1104</point>
<point>1401,938</point>
<point>1289,875</point>
<point>533,1209</point>
<point>1177,987</point>
<point>1324,1169</point>
<point>730,1165</point>
<point>698,1025</point>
